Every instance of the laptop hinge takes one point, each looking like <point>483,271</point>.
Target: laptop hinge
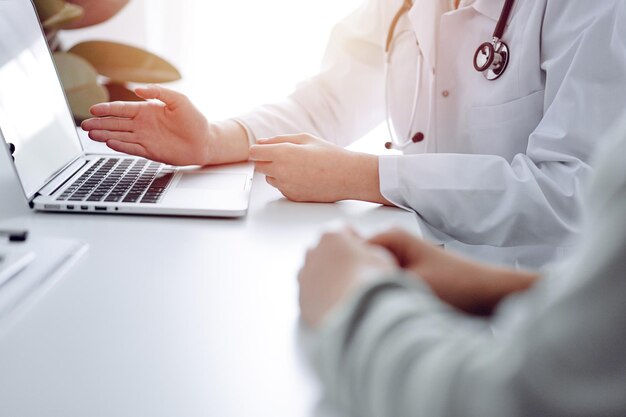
<point>31,203</point>
<point>57,182</point>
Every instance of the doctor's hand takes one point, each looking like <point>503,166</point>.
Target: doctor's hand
<point>333,270</point>
<point>308,169</point>
<point>469,286</point>
<point>168,128</point>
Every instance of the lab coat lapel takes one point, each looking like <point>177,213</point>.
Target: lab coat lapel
<point>490,8</point>
<point>425,17</point>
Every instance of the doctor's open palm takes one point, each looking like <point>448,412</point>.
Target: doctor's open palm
<point>167,128</point>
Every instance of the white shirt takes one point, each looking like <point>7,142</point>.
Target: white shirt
<point>395,350</point>
<point>503,162</point>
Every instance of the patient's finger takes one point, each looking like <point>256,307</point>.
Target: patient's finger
<point>404,246</point>
<point>108,123</point>
<point>106,135</point>
<point>128,148</point>
<point>117,109</point>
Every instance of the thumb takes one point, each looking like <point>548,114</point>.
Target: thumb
<point>171,98</point>
<point>300,139</point>
<point>404,246</point>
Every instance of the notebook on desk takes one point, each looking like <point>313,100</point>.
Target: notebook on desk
<point>56,173</point>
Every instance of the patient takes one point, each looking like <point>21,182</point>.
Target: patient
<point>399,322</point>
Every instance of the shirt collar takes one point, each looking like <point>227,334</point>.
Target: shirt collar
<point>425,16</point>
<point>490,8</point>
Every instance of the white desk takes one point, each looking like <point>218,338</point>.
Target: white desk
<point>171,316</point>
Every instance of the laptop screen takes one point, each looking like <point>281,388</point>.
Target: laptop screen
<point>34,115</point>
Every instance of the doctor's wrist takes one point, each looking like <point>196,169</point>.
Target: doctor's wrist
<point>227,143</point>
<point>365,179</point>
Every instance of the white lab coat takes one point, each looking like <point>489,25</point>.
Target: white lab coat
<point>502,162</point>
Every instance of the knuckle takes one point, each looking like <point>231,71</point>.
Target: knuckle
<point>329,237</point>
<point>397,231</point>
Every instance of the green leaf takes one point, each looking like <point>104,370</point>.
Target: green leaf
<point>122,63</point>
<point>80,82</point>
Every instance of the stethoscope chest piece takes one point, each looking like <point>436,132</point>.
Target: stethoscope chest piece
<point>492,58</point>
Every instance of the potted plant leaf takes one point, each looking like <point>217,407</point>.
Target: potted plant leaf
<point>96,71</point>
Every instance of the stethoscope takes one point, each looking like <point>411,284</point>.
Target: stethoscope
<point>491,59</point>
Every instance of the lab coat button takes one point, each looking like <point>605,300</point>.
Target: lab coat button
<point>445,93</point>
<point>418,137</point>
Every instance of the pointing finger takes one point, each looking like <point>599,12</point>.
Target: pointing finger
<point>106,135</point>
<point>125,109</point>
<point>108,123</point>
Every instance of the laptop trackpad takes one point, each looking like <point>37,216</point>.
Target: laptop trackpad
<point>212,181</point>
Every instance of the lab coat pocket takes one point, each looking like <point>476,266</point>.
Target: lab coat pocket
<point>504,129</point>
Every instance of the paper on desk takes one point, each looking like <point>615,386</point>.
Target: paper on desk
<point>52,258</point>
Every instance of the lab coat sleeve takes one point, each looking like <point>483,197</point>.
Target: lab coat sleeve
<point>346,100</point>
<point>535,197</point>
<point>395,350</point>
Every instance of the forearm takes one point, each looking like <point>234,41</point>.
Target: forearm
<point>468,285</point>
<point>496,284</point>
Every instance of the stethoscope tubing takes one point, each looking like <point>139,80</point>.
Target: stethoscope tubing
<point>504,19</point>
<point>393,144</point>
<point>495,47</point>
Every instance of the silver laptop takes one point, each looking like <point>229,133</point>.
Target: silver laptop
<point>51,164</point>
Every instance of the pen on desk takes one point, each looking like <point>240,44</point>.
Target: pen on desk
<point>16,266</point>
<point>15,235</point>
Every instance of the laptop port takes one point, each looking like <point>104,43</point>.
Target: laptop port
<point>52,207</point>
<point>100,208</point>
<point>85,208</point>
<point>70,207</point>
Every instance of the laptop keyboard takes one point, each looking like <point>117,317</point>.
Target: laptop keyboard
<point>122,180</point>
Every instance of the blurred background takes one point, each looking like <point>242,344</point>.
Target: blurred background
<point>233,55</point>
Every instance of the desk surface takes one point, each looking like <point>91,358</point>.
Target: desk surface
<point>172,316</point>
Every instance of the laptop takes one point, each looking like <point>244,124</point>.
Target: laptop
<point>55,171</point>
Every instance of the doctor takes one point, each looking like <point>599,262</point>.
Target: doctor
<point>495,104</point>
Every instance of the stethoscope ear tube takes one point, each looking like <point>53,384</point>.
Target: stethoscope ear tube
<point>408,4</point>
